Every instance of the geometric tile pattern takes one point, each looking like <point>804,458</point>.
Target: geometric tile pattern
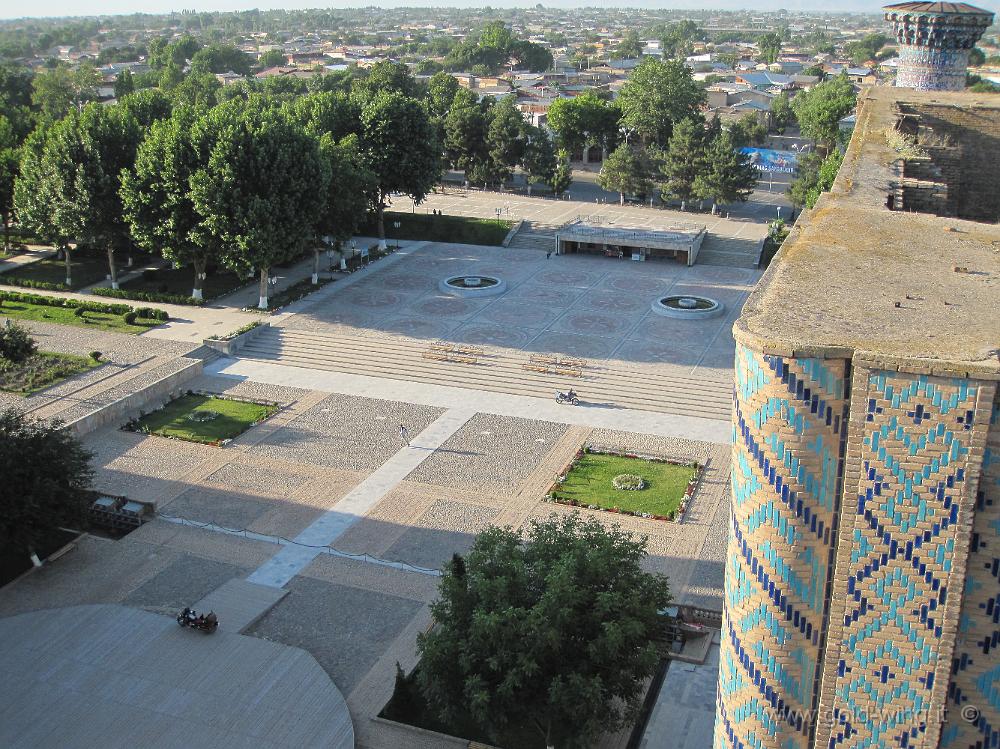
<point>789,424</point>
<point>914,452</point>
<point>973,720</point>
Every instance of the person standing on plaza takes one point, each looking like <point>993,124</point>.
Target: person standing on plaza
<point>404,434</point>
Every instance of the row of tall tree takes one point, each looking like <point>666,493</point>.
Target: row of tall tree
<point>700,162</point>
<point>244,185</point>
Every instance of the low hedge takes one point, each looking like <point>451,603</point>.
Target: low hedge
<point>148,296</point>
<point>26,283</point>
<point>111,309</point>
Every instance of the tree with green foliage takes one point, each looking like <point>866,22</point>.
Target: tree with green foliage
<point>400,148</point>
<point>769,46</point>
<point>334,119</point>
<point>539,158</point>
<point>386,76</point>
<point>10,165</point>
<point>552,632</point>
<point>781,113</point>
<point>124,83</point>
<point>46,484</point>
<point>820,110</point>
<point>263,189</point>
<point>273,58</point>
<point>530,56</point>
<point>657,95</point>
<point>220,58</point>
<point>628,170</point>
<point>677,39</point>
<point>630,45</point>
<point>584,121</point>
<point>441,90</point>
<point>71,191</point>
<point>562,176</point>
<point>157,200</point>
<point>866,49</point>
<point>147,106</point>
<point>976,57</point>
<point>815,176</point>
<point>748,130</point>
<point>727,176</point>
<point>200,89</point>
<point>465,133</point>
<point>505,138</point>
<point>45,175</point>
<point>683,160</point>
<point>57,91</point>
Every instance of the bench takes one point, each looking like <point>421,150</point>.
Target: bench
<point>575,363</point>
<point>442,346</point>
<point>535,368</point>
<point>435,355</point>
<point>568,372</point>
<point>544,359</point>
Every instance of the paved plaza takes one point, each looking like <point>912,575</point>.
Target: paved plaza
<point>323,529</point>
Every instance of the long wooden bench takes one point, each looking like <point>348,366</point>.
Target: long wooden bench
<point>544,359</point>
<point>535,368</point>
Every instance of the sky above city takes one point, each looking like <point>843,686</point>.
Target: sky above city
<point>13,9</point>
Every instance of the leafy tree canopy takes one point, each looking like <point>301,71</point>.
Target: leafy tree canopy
<point>552,631</point>
<point>46,480</point>
<point>657,95</point>
<point>820,110</point>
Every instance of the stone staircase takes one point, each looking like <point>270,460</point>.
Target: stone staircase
<point>534,235</point>
<point>496,370</point>
<point>729,251</point>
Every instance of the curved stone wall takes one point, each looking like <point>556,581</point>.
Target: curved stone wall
<point>789,420</point>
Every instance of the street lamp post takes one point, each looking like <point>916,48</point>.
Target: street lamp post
<point>499,214</point>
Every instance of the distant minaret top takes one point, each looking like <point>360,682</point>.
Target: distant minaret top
<point>934,42</point>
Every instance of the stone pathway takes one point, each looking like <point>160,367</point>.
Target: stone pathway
<point>291,560</point>
<point>33,254</point>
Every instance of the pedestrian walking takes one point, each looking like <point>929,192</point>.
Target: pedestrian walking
<point>404,435</point>
<point>548,254</point>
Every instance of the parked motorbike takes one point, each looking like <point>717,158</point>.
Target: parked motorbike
<point>207,623</point>
<point>569,397</point>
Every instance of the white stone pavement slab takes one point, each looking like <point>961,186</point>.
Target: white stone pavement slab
<point>442,396</point>
<point>311,542</point>
<point>239,603</point>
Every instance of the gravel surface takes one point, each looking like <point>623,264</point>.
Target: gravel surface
<point>141,467</point>
<point>225,508</point>
<point>347,432</point>
<point>185,581</point>
<point>257,479</point>
<point>491,454</point>
<point>448,527</point>
<point>357,625</point>
<point>248,389</point>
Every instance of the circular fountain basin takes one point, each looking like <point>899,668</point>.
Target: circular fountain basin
<point>687,306</point>
<point>473,286</point>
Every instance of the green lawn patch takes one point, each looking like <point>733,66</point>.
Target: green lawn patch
<point>190,418</point>
<point>434,228</point>
<point>589,482</point>
<point>180,281</point>
<point>42,370</point>
<point>94,320</point>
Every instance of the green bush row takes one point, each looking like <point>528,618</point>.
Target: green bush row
<point>148,296</point>
<point>27,283</point>
<point>79,304</point>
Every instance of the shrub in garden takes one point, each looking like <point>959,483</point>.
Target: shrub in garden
<point>16,344</point>
<point>79,311</point>
<point>130,318</point>
<point>96,355</point>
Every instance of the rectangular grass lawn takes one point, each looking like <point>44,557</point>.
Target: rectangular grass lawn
<point>234,418</point>
<point>67,316</point>
<point>589,483</point>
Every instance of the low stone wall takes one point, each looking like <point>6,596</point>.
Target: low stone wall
<point>512,233</point>
<point>233,345</point>
<point>125,408</point>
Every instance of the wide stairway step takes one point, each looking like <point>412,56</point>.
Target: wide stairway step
<point>496,370</point>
